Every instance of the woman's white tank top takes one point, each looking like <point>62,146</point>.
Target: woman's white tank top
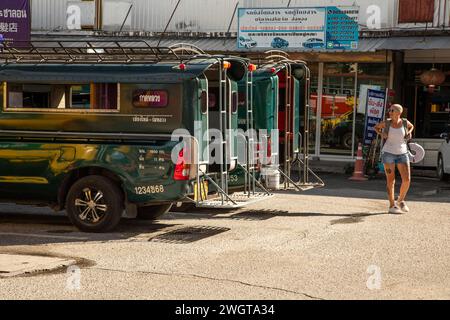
<point>396,143</point>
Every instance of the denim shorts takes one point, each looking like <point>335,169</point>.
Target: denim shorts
<point>387,157</point>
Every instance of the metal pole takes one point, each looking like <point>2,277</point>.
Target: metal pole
<point>247,139</point>
<point>354,111</point>
<point>253,162</point>
<point>168,22</point>
<point>318,136</point>
<point>231,21</point>
<point>306,125</point>
<point>126,17</point>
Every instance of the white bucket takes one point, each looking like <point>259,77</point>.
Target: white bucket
<point>271,178</point>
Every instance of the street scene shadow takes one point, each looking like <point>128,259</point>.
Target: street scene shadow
<point>36,229</point>
<point>261,215</point>
<point>338,185</point>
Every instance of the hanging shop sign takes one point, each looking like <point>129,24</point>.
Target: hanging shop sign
<point>375,109</point>
<point>15,22</point>
<point>323,28</point>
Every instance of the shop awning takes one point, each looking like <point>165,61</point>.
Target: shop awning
<point>229,45</point>
<point>364,45</point>
<point>412,43</point>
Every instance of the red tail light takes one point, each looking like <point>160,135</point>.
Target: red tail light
<point>181,168</point>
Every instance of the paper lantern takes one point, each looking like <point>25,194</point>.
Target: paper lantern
<point>432,78</point>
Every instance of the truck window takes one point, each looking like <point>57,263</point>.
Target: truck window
<point>234,102</point>
<point>204,101</point>
<point>48,97</point>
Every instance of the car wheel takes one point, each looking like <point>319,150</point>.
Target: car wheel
<point>440,169</point>
<point>94,204</point>
<point>152,212</point>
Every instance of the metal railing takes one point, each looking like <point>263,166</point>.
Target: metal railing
<point>85,52</point>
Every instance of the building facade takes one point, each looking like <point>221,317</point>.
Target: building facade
<point>399,41</point>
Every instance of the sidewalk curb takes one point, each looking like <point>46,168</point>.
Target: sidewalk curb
<point>12,265</point>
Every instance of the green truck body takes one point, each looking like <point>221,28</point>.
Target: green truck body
<point>46,146</point>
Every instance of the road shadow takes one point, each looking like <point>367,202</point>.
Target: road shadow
<point>36,229</point>
<point>338,185</point>
<point>261,215</point>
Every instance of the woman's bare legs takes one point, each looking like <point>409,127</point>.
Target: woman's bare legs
<point>389,169</point>
<point>405,173</point>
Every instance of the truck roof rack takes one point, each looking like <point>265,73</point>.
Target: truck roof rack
<point>186,49</point>
<point>274,57</point>
<point>85,52</point>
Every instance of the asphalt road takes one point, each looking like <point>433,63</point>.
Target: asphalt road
<point>333,243</point>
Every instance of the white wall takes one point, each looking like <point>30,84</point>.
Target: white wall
<point>204,15</point>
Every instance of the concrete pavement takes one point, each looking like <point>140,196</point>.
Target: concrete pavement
<point>332,243</point>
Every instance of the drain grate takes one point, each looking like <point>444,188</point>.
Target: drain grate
<point>188,234</point>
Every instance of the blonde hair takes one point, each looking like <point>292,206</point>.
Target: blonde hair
<point>397,107</point>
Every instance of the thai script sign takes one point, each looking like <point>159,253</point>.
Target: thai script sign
<point>308,28</point>
<point>15,22</point>
<point>150,98</point>
<point>376,101</point>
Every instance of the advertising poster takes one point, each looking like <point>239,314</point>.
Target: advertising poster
<point>374,114</point>
<point>342,28</point>
<point>15,22</point>
<point>308,28</point>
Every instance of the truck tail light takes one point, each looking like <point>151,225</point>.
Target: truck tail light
<point>182,169</point>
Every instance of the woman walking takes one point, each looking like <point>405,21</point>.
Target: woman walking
<point>396,131</point>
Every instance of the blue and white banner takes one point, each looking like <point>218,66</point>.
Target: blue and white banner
<point>376,101</point>
<point>325,28</point>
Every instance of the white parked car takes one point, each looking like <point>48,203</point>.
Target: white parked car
<point>443,163</point>
<point>247,42</point>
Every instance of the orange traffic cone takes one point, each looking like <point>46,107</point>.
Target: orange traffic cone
<point>358,174</point>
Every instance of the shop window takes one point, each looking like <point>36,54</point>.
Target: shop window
<point>415,11</point>
<point>374,76</point>
<point>338,102</point>
<point>62,96</point>
<point>428,110</point>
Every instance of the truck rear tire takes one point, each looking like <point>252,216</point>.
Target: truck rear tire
<point>152,212</point>
<point>94,204</point>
